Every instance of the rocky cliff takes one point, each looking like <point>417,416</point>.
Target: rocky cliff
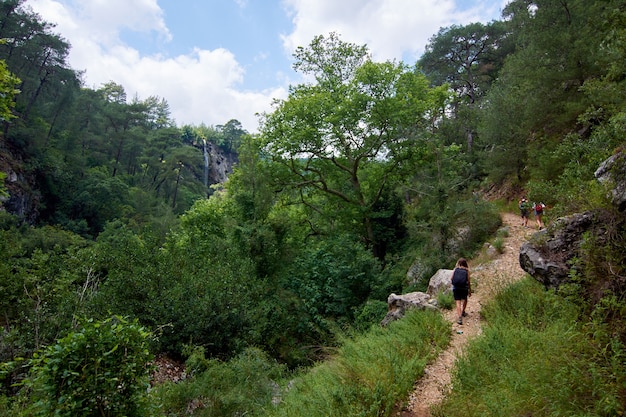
<point>552,255</point>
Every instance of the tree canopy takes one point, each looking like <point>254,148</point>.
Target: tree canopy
<point>344,138</point>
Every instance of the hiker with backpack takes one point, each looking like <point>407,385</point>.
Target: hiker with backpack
<point>461,287</point>
<point>524,210</point>
<point>538,209</point>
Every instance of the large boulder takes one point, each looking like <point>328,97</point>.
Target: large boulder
<point>440,282</point>
<point>548,254</point>
<point>399,304</point>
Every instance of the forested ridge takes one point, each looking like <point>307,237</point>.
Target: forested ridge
<point>117,245</point>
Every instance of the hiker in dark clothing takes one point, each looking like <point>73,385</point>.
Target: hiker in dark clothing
<point>461,287</point>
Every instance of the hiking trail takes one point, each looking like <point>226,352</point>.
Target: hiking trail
<point>487,279</point>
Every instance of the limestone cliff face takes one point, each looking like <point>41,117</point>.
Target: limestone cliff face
<point>24,197</point>
<point>220,164</point>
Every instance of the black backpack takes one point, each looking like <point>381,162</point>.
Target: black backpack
<point>459,277</point>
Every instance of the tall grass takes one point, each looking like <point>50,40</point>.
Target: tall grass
<point>369,374</point>
<point>534,359</point>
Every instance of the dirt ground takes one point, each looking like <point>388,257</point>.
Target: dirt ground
<point>487,279</point>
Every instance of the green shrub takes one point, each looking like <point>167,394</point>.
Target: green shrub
<point>242,386</point>
<point>372,312</point>
<point>100,369</point>
<point>445,300</point>
<point>498,243</point>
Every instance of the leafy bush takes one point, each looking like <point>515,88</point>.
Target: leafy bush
<point>242,386</point>
<point>372,312</point>
<point>498,243</point>
<point>100,369</point>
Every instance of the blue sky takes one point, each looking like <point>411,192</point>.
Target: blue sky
<point>216,60</point>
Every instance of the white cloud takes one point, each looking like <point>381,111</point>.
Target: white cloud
<point>205,86</point>
<point>392,29</point>
<point>200,87</point>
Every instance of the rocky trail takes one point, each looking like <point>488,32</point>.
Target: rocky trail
<point>487,279</point>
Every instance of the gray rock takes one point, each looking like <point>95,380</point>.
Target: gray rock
<point>440,282</point>
<point>399,304</point>
<point>490,250</point>
<point>613,173</point>
<point>416,272</point>
<point>548,254</point>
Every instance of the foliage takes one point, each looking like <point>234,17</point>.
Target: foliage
<point>358,174</point>
<point>597,278</point>
<point>369,373</point>
<point>371,314</point>
<point>333,277</point>
<point>211,296</point>
<point>535,358</point>
<point>99,369</point>
<point>342,139</point>
<point>8,91</point>
<point>39,272</point>
<point>445,300</point>
<point>467,59</point>
<point>541,94</point>
<point>498,243</point>
<point>128,275</point>
<point>241,386</point>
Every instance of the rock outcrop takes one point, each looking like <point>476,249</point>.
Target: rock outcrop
<point>440,282</point>
<point>549,254</point>
<point>220,164</point>
<point>399,304</point>
<point>613,172</point>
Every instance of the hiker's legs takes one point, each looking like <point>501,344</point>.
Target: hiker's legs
<point>459,308</point>
<point>463,305</point>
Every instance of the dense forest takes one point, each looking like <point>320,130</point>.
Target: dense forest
<point>111,220</point>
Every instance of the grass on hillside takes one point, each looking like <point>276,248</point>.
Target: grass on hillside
<point>364,377</point>
<point>535,359</point>
<point>368,374</point>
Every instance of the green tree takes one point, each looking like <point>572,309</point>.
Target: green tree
<point>100,369</point>
<point>233,133</point>
<point>8,91</point>
<point>38,57</point>
<point>538,99</point>
<point>263,226</point>
<point>467,59</point>
<point>342,139</point>
<point>213,295</point>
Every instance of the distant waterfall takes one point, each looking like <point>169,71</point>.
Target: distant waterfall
<point>206,163</point>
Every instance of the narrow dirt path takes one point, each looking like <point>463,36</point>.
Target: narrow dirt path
<point>487,279</point>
